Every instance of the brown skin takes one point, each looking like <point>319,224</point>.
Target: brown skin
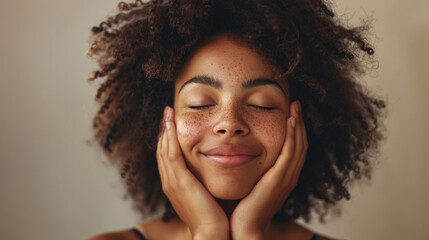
<point>230,108</point>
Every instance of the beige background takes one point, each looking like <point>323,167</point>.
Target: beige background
<point>53,186</point>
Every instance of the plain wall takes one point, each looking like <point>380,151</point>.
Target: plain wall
<point>54,186</point>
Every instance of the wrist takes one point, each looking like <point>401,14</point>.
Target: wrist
<point>215,233</point>
<point>247,231</point>
<point>211,236</point>
<point>248,235</point>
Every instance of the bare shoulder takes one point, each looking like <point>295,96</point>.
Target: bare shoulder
<point>311,233</point>
<point>126,234</point>
<point>158,229</point>
<point>154,229</point>
<point>293,230</point>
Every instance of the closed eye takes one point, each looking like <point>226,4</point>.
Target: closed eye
<point>255,106</point>
<point>200,107</point>
<point>261,107</point>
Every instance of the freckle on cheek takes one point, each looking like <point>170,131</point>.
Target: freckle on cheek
<point>272,129</point>
<point>190,127</point>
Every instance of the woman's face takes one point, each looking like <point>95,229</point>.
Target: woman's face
<point>227,140</point>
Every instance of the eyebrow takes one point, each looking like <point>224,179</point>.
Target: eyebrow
<point>213,82</point>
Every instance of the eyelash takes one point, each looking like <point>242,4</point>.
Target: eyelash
<point>255,106</point>
<point>200,107</point>
<point>263,108</point>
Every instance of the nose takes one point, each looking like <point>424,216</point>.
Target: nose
<point>231,123</point>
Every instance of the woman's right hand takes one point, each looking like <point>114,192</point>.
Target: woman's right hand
<point>190,199</point>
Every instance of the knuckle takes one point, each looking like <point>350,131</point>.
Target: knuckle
<point>159,155</point>
<point>302,148</point>
<point>164,188</point>
<point>173,154</point>
<point>167,189</point>
<point>289,156</point>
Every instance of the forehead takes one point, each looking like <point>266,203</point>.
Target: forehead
<point>228,60</point>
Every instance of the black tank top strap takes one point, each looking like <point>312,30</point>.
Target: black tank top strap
<point>314,237</point>
<point>138,233</point>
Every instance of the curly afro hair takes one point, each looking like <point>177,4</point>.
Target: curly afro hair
<point>141,49</point>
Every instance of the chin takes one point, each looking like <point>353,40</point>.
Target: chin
<point>229,196</point>
<point>229,191</point>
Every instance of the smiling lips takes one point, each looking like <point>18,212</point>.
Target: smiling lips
<point>231,155</point>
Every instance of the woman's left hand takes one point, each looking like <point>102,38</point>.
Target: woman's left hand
<point>254,212</point>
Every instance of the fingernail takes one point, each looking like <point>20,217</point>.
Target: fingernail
<point>296,107</point>
<point>167,113</point>
<point>292,121</point>
<point>168,125</point>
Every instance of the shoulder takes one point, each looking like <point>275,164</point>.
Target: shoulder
<point>154,229</point>
<point>158,229</point>
<point>117,235</point>
<point>293,230</point>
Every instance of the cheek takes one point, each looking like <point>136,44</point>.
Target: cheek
<point>190,128</point>
<point>271,130</point>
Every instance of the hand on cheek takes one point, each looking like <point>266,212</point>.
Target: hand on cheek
<point>252,215</point>
<point>190,199</point>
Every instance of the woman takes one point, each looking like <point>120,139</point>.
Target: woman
<point>240,116</point>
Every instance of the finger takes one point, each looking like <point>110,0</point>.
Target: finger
<point>175,166</point>
<point>303,143</point>
<point>161,150</point>
<point>161,134</point>
<point>301,119</point>
<point>169,161</point>
<point>304,131</point>
<point>174,152</point>
<point>299,142</point>
<point>288,149</point>
<point>162,124</point>
<point>298,131</point>
<point>160,156</point>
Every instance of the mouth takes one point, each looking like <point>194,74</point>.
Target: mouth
<point>231,160</point>
<point>231,155</point>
